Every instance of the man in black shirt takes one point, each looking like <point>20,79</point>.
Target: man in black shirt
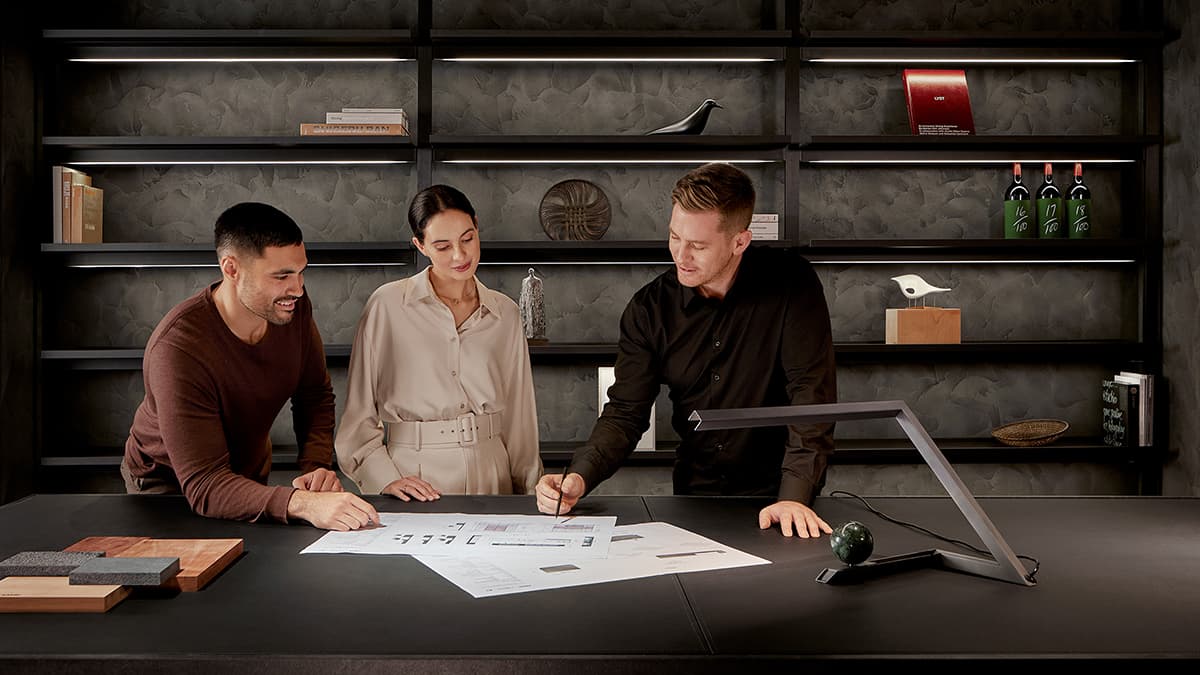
<point>731,326</point>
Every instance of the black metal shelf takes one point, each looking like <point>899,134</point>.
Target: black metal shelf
<point>1028,351</point>
<point>616,147</point>
<point>666,44</point>
<point>320,254</point>
<point>575,252</point>
<point>598,353</point>
<point>336,355</point>
<point>848,451</point>
<point>976,250</point>
<point>487,43</point>
<point>231,44</point>
<point>616,252</point>
<point>987,149</point>
<point>949,47</point>
<point>986,451</point>
<point>284,456</point>
<point>557,453</point>
<point>228,149</point>
<point>978,149</point>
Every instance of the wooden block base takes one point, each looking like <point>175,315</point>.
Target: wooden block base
<point>923,325</point>
<point>56,594</point>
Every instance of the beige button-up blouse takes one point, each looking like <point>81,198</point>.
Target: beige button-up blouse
<point>410,363</point>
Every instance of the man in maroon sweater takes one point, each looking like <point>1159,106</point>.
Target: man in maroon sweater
<point>220,366</point>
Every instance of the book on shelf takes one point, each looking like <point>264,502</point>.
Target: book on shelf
<point>62,178</point>
<point>764,227</point>
<point>314,129</point>
<point>938,103</point>
<point>1119,413</point>
<point>87,215</point>
<point>366,116</point>
<point>373,110</point>
<point>1145,403</point>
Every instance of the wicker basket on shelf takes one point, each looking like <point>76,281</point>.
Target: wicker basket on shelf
<point>1030,433</point>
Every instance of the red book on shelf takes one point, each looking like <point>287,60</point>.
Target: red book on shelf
<point>938,103</point>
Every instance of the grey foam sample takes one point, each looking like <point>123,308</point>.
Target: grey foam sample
<point>45,563</point>
<point>125,571</point>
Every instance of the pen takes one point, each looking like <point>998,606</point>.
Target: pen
<point>560,489</point>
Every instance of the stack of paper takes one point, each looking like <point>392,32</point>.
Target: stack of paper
<point>498,555</point>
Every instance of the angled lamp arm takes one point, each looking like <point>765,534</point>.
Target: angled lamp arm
<point>1005,565</point>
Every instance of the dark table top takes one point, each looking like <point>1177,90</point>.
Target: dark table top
<point>1120,579</point>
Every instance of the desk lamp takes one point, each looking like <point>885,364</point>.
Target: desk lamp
<point>1004,565</point>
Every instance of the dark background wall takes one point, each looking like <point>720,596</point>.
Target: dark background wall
<point>18,131</point>
<point>1181,245</point>
<point>119,308</point>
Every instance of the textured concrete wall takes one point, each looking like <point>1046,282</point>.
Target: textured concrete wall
<point>1181,245</point>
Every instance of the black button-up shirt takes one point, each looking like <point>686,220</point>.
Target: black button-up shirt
<point>767,343</point>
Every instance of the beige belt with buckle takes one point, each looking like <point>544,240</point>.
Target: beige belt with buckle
<point>461,431</point>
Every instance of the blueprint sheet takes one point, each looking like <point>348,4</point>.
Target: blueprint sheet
<point>470,535</point>
<point>642,550</point>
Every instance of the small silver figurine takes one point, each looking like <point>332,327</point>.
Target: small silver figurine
<point>533,308</point>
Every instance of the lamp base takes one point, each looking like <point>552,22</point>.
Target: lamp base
<point>957,562</point>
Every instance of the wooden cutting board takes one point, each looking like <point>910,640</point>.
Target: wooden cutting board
<point>56,594</point>
<point>110,545</point>
<point>200,560</point>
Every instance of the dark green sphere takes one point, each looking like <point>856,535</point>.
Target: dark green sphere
<point>852,542</point>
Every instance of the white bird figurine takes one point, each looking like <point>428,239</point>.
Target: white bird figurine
<point>692,124</point>
<point>913,287</point>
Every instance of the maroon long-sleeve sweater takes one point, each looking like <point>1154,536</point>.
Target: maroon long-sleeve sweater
<point>205,423</point>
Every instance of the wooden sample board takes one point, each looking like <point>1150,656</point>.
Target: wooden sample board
<point>56,594</point>
<point>200,560</point>
<point>111,546</point>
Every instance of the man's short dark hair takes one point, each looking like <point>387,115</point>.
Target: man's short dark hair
<point>250,227</point>
<point>718,187</point>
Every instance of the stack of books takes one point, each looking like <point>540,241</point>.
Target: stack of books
<point>78,207</point>
<point>360,122</point>
<point>1127,409</point>
<point>764,227</point>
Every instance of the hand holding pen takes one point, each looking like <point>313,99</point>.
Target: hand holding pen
<point>557,493</point>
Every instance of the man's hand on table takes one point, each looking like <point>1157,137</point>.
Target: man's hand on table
<point>318,480</point>
<point>553,484</point>
<point>340,511</point>
<point>793,515</point>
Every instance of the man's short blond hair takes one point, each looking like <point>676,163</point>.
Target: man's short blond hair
<point>717,187</point>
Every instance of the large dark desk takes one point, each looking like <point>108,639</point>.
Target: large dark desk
<point>1120,580</point>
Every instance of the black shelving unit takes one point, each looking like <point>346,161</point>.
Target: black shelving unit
<point>106,150</point>
<point>389,253</point>
<point>954,48</point>
<point>602,353</point>
<point>846,452</point>
<point>123,45</point>
<point>626,148</point>
<point>1136,52</point>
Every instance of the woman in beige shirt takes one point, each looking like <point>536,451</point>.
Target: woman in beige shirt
<point>440,393</point>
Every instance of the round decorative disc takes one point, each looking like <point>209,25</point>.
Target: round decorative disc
<point>575,209</point>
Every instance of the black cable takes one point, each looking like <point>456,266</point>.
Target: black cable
<point>958,542</point>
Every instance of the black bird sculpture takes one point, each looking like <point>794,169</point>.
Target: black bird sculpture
<point>692,124</point>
